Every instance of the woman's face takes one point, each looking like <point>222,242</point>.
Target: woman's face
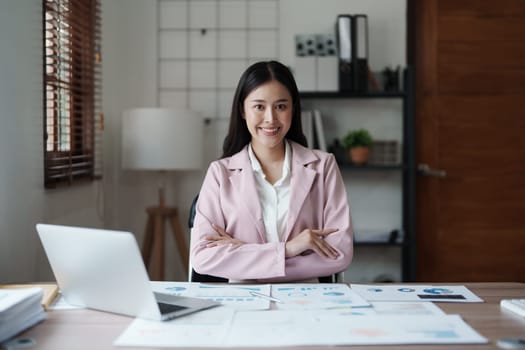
<point>268,114</point>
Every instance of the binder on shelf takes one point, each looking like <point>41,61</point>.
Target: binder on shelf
<point>352,39</point>
<point>305,62</point>
<point>305,73</point>
<point>326,72</point>
<point>360,54</point>
<point>345,47</point>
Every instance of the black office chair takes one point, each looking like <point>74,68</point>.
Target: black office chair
<point>197,277</point>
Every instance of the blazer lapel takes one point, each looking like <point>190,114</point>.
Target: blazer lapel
<point>301,182</point>
<point>242,180</point>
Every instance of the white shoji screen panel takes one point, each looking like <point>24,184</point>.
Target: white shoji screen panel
<point>205,45</point>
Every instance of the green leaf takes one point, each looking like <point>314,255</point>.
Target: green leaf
<point>357,138</point>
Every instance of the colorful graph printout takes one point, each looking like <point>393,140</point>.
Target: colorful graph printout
<point>316,296</point>
<point>234,296</point>
<point>391,292</point>
<point>393,308</point>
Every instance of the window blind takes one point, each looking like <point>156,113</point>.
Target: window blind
<point>73,118</point>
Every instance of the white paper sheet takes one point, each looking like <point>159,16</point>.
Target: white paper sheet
<point>382,329</point>
<point>205,329</point>
<point>235,296</point>
<point>411,292</point>
<point>399,308</point>
<point>278,328</point>
<point>10,298</point>
<point>316,296</point>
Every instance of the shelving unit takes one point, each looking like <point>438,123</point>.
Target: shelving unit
<point>371,167</point>
<point>407,169</point>
<point>334,94</point>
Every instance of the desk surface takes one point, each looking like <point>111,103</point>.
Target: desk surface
<point>88,329</point>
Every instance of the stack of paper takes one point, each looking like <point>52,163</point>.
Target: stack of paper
<point>50,291</point>
<point>310,314</point>
<point>19,310</point>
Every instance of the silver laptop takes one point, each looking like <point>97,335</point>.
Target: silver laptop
<point>103,270</point>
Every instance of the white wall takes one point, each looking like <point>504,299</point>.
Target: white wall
<point>129,80</point>
<point>23,200</point>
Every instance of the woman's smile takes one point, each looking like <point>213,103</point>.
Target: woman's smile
<point>268,114</point>
<point>270,131</point>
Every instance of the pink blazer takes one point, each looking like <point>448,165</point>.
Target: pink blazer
<point>229,198</point>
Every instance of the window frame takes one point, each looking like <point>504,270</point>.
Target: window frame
<point>72,118</point>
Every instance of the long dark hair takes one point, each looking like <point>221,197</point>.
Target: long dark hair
<point>256,75</point>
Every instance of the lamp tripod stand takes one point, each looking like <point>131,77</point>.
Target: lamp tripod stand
<point>153,249</point>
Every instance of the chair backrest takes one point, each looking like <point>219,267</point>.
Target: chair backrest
<point>197,277</point>
<point>193,210</point>
<point>194,275</point>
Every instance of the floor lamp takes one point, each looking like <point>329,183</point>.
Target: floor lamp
<point>162,139</point>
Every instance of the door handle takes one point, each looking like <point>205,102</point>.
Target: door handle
<point>424,169</point>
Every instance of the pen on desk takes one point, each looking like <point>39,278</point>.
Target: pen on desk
<point>264,296</point>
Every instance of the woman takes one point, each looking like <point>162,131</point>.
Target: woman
<point>270,210</point>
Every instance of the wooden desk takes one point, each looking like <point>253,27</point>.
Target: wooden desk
<point>87,329</point>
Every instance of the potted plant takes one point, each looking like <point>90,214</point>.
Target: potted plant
<point>358,143</point>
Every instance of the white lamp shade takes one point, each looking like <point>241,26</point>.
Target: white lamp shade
<point>162,139</point>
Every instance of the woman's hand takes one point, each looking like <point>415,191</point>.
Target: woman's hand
<point>221,239</point>
<point>312,240</point>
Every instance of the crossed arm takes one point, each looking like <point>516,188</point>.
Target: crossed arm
<point>307,241</point>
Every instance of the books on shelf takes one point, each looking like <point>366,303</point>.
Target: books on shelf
<point>308,127</point>
<point>20,308</point>
<point>312,123</point>
<point>319,131</point>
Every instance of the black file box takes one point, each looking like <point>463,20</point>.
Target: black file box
<point>352,40</point>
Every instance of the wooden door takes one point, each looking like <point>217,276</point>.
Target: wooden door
<point>470,123</point>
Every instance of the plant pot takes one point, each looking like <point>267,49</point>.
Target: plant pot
<point>359,155</point>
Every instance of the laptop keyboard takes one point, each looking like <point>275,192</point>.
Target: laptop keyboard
<point>169,308</point>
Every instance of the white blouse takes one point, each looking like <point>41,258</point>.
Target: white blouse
<point>274,198</point>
